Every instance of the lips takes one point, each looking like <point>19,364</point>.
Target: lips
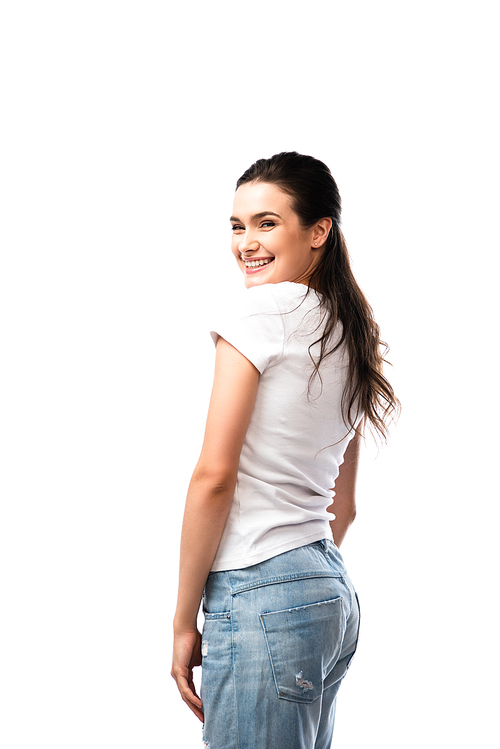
<point>255,264</point>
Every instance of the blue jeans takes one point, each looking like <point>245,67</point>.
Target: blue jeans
<point>277,640</point>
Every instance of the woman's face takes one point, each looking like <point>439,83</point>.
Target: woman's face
<point>268,241</point>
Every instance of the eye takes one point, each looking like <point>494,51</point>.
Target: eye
<point>265,224</point>
<point>237,227</point>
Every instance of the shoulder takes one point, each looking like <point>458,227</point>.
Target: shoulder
<point>260,298</point>
<point>257,300</point>
<point>275,297</point>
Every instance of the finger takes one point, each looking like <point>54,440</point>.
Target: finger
<point>185,685</point>
<point>188,694</point>
<point>196,710</point>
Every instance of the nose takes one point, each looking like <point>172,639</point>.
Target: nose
<point>247,244</point>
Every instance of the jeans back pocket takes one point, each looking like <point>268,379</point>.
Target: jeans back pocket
<point>304,644</point>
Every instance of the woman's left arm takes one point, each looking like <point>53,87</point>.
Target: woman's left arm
<point>207,505</point>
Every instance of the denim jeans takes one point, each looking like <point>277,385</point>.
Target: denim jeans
<point>277,640</point>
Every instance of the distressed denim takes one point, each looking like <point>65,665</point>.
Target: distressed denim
<point>277,640</point>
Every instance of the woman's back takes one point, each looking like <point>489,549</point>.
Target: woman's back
<point>296,438</point>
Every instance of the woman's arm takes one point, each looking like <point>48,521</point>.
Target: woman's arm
<point>208,501</point>
<point>344,505</point>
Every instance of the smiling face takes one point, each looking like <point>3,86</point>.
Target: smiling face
<point>268,242</point>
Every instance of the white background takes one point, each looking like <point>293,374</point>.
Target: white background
<point>124,129</point>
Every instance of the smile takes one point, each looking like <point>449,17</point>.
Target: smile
<point>251,266</point>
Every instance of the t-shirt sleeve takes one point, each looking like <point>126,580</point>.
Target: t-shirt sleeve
<point>254,326</point>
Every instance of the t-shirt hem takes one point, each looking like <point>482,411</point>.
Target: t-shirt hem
<point>261,556</point>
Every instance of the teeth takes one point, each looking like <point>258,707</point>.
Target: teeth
<point>256,263</point>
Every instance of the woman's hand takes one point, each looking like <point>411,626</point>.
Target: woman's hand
<point>187,655</point>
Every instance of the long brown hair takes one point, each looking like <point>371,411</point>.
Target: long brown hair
<point>315,195</point>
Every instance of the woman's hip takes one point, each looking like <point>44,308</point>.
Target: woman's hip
<point>277,635</point>
<point>309,574</point>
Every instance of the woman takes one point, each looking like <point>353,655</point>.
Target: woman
<point>298,377</point>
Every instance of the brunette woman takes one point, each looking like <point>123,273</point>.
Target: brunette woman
<point>298,379</point>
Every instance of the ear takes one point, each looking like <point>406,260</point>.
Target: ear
<point>320,233</point>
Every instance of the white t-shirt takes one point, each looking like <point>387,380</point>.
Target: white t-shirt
<point>289,460</point>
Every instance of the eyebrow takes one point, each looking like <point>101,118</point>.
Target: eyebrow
<point>257,216</point>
